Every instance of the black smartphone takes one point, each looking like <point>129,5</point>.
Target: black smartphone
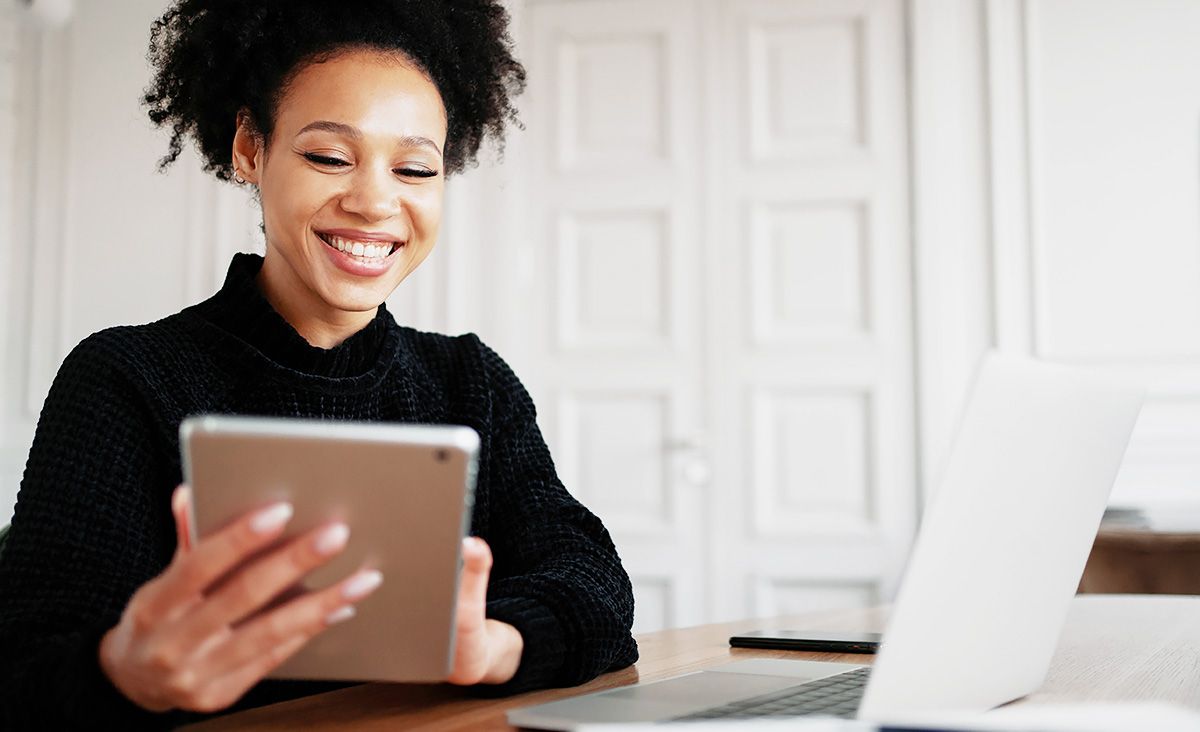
<point>809,640</point>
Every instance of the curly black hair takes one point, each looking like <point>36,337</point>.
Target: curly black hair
<point>214,58</point>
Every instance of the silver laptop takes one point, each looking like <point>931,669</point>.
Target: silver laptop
<point>1002,546</point>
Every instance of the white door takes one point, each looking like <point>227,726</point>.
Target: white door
<point>617,248</point>
<point>810,324</point>
<point>716,311</point>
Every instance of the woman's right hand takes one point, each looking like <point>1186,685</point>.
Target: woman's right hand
<point>195,638</point>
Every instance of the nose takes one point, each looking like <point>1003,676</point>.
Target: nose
<point>373,194</point>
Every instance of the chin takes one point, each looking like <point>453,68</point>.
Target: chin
<point>353,301</point>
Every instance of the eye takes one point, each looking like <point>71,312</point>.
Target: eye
<point>325,160</point>
<point>415,172</point>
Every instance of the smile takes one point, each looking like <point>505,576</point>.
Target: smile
<point>366,250</point>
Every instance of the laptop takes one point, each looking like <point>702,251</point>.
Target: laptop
<point>1002,546</point>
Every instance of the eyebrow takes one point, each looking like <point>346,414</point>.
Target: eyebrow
<point>339,128</point>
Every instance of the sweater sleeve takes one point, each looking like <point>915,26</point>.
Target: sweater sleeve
<point>88,529</point>
<point>556,575</point>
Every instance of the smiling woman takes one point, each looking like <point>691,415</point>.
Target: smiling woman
<point>346,123</point>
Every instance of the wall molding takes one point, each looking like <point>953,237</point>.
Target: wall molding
<point>10,162</point>
<point>19,52</point>
<point>1011,198</point>
<point>9,123</point>
<point>951,221</point>
<point>48,302</point>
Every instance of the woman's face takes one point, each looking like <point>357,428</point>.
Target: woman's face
<point>351,184</point>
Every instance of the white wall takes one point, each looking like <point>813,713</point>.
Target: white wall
<point>1114,240</point>
<point>1057,208</point>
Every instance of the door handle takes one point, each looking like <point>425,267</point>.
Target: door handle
<point>692,459</point>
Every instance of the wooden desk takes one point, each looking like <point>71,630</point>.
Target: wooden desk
<point>1114,648</point>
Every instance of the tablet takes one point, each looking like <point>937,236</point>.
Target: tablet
<point>405,491</point>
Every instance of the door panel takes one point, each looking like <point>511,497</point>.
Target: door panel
<point>810,333</point>
<point>614,208</point>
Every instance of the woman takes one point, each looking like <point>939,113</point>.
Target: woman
<point>346,122</point>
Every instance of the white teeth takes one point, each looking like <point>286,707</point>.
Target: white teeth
<point>358,248</point>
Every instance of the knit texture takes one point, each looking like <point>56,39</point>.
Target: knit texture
<point>93,521</point>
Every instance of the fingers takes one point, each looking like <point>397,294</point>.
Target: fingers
<point>212,558</point>
<point>179,509</point>
<point>477,565</point>
<point>472,595</point>
<point>259,583</point>
<point>304,617</point>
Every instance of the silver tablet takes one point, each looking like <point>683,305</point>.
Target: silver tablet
<point>405,491</point>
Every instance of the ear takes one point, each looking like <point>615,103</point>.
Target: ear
<point>247,149</point>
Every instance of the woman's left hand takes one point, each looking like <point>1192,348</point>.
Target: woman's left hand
<point>486,651</point>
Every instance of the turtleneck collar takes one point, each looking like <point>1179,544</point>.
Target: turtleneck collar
<point>241,309</point>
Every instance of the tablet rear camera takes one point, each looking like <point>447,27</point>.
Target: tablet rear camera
<point>441,455</point>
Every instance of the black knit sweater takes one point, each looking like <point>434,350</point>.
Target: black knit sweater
<point>93,521</point>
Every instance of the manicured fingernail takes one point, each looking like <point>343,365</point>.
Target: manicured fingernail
<point>343,613</point>
<point>271,518</point>
<point>332,538</point>
<point>362,584</point>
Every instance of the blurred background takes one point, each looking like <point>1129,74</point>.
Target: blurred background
<point>745,255</point>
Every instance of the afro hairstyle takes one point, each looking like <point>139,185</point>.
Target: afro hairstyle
<point>213,59</point>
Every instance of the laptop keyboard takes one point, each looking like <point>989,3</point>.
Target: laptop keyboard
<point>834,696</point>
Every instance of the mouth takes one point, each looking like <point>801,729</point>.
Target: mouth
<point>366,251</point>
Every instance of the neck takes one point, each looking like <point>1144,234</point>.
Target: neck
<point>322,325</point>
